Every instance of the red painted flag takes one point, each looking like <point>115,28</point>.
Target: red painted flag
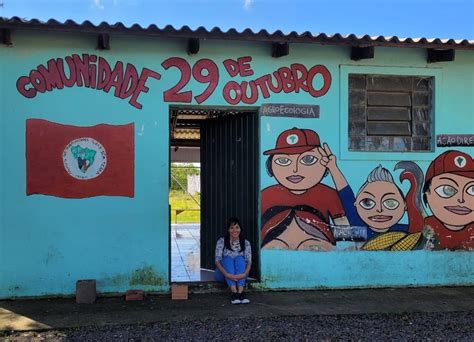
<point>77,162</point>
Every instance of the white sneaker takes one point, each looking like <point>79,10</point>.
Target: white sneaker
<point>235,299</point>
<point>243,298</point>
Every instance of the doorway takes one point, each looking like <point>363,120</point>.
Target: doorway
<point>224,144</point>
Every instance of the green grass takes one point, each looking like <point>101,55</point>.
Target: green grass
<point>182,200</point>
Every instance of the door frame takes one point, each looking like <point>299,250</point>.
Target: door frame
<point>238,109</point>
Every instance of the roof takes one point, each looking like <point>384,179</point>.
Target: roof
<point>232,34</point>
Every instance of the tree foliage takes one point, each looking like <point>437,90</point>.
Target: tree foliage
<point>179,174</point>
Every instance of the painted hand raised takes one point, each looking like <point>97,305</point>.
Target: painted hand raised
<point>327,158</point>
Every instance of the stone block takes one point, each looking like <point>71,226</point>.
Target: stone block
<point>179,292</point>
<point>86,292</point>
<point>132,295</point>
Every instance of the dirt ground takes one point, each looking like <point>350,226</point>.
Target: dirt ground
<point>458,326</point>
<point>438,313</point>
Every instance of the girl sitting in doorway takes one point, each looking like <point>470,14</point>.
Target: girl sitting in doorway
<point>233,261</point>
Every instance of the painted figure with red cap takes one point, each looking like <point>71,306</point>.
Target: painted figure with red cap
<point>297,212</point>
<point>449,193</point>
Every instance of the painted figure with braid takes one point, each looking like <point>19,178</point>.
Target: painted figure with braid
<point>380,204</point>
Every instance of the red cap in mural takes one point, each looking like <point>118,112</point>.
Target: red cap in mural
<point>295,141</point>
<point>456,162</point>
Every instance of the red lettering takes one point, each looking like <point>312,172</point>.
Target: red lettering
<point>301,78</point>
<point>93,71</point>
<point>286,80</point>
<point>130,81</point>
<point>244,66</point>
<point>324,72</point>
<point>275,89</point>
<point>253,92</point>
<point>82,70</point>
<point>51,75</point>
<point>21,84</point>
<point>232,86</point>
<point>173,94</point>
<point>261,83</point>
<point>239,67</point>
<point>103,73</point>
<point>38,81</point>
<point>69,82</point>
<point>232,67</point>
<point>142,88</point>
<point>211,77</point>
<point>94,76</point>
<point>116,79</point>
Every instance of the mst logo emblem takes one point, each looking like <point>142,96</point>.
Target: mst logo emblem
<point>84,158</point>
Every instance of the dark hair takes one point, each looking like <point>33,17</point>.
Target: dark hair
<point>283,225</point>
<point>268,167</point>
<point>426,188</point>
<point>230,222</point>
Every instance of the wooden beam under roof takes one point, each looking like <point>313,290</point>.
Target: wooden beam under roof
<point>439,55</point>
<point>6,36</point>
<point>193,46</point>
<point>103,41</point>
<point>280,49</point>
<point>185,142</point>
<point>362,52</point>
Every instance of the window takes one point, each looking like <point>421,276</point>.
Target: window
<point>390,113</point>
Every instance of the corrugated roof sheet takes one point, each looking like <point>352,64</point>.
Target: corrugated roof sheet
<point>233,34</point>
<point>187,133</point>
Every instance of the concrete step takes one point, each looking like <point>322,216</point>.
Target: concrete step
<point>210,286</point>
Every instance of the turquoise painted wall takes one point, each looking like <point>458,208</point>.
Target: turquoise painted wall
<point>45,247</point>
<point>365,268</point>
<point>48,243</point>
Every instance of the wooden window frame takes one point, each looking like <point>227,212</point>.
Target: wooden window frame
<point>345,71</point>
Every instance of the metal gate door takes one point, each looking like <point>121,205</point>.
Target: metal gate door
<point>229,182</point>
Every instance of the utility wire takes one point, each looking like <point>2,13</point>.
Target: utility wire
<point>185,190</point>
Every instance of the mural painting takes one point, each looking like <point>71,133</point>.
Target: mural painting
<point>78,162</point>
<point>449,193</point>
<point>301,213</point>
<point>296,212</point>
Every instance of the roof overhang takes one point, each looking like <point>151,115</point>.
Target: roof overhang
<point>186,32</point>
